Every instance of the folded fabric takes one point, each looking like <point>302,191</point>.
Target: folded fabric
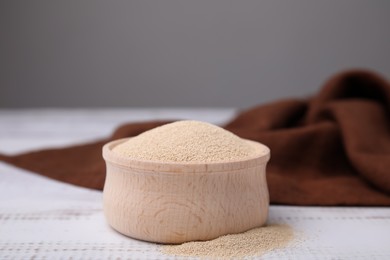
<point>331,149</point>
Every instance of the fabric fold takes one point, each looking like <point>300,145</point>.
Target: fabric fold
<point>330,149</point>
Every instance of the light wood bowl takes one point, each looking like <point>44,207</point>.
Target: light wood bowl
<point>179,202</point>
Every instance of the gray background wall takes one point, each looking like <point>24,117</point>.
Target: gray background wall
<point>171,53</point>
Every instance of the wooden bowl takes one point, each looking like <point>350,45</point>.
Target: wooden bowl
<point>179,202</point>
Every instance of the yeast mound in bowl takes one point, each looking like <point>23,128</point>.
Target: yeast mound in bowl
<point>157,190</point>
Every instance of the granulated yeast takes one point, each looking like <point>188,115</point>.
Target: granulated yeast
<point>254,242</point>
<point>186,141</point>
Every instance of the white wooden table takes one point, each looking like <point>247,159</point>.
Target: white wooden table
<point>45,219</point>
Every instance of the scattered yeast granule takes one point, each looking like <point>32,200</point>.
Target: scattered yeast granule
<point>254,242</point>
<point>186,141</point>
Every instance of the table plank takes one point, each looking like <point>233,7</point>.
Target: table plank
<point>45,219</point>
<point>22,130</point>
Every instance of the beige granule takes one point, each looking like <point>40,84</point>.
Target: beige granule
<point>254,242</point>
<point>186,141</point>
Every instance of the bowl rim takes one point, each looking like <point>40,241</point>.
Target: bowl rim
<point>262,157</point>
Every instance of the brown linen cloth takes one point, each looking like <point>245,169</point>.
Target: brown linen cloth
<point>332,149</point>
